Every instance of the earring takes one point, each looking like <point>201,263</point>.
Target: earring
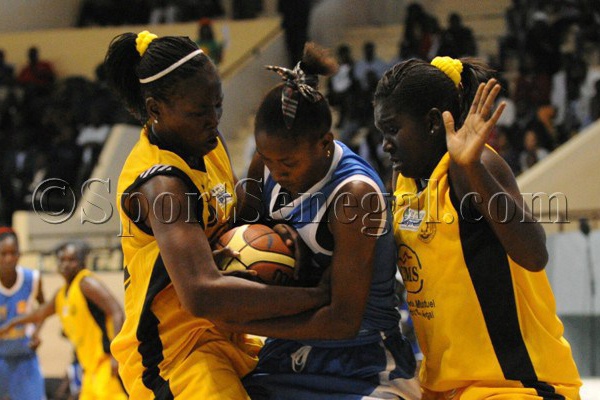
<point>328,153</point>
<point>156,122</point>
<point>431,130</point>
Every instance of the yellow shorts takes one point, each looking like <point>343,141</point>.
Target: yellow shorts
<point>212,371</point>
<point>504,390</point>
<point>100,384</point>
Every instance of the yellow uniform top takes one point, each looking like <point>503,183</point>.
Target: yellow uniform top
<point>158,334</point>
<point>478,315</point>
<point>85,324</point>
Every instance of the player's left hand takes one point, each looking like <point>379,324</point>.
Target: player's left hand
<point>227,252</point>
<point>465,146</point>
<point>301,251</point>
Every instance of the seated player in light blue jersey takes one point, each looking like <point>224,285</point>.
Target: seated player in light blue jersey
<point>20,288</point>
<point>324,198</point>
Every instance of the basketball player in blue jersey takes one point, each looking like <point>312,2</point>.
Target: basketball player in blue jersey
<point>20,374</point>
<point>324,198</point>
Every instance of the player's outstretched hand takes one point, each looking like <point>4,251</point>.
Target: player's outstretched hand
<point>465,146</point>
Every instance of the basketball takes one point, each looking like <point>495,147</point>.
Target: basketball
<point>262,250</point>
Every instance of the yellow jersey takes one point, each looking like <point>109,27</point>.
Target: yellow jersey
<point>478,315</point>
<point>159,336</point>
<point>90,331</point>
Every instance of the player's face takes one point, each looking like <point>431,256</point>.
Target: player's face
<point>68,263</point>
<point>295,164</point>
<point>9,254</point>
<point>406,140</point>
<point>189,120</point>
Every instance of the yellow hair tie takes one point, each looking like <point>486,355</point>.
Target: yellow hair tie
<point>450,66</point>
<point>143,40</point>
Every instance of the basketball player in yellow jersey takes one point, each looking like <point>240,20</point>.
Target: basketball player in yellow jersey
<point>90,316</point>
<point>176,195</point>
<point>470,253</point>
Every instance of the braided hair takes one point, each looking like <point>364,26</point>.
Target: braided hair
<point>125,67</point>
<point>415,87</point>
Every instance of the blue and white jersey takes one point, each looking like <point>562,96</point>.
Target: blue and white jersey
<point>15,301</point>
<point>308,215</point>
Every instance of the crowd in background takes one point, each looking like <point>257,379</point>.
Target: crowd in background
<point>547,63</point>
<point>49,128</point>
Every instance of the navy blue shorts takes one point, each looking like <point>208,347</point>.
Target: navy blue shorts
<point>290,370</point>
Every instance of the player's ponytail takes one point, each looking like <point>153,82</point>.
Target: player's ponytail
<point>143,65</point>
<point>120,63</point>
<point>416,86</point>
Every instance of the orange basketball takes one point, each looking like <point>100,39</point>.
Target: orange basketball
<point>262,250</point>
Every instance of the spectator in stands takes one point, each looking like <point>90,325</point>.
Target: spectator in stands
<point>7,71</point>
<point>369,63</point>
<point>457,40</point>
<point>541,44</point>
<point>508,117</point>
<point>531,90</point>
<point>164,12</point>
<point>295,22</point>
<point>543,125</point>
<point>532,151</point>
<point>505,148</point>
<point>566,93</point>
<point>38,75</point>
<point>513,43</point>
<point>208,42</point>
<point>17,170</point>
<point>416,41</point>
<point>342,85</point>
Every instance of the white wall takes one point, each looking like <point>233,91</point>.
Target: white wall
<point>25,15</point>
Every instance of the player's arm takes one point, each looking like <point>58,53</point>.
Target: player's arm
<point>501,204</point>
<point>37,316</point>
<point>200,286</point>
<point>251,207</point>
<point>99,295</point>
<point>476,169</point>
<point>355,220</point>
<point>94,291</point>
<point>34,341</point>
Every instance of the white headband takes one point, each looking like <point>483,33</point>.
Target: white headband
<point>171,67</point>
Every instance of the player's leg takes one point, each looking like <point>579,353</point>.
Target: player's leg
<point>212,372</point>
<point>100,384</point>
